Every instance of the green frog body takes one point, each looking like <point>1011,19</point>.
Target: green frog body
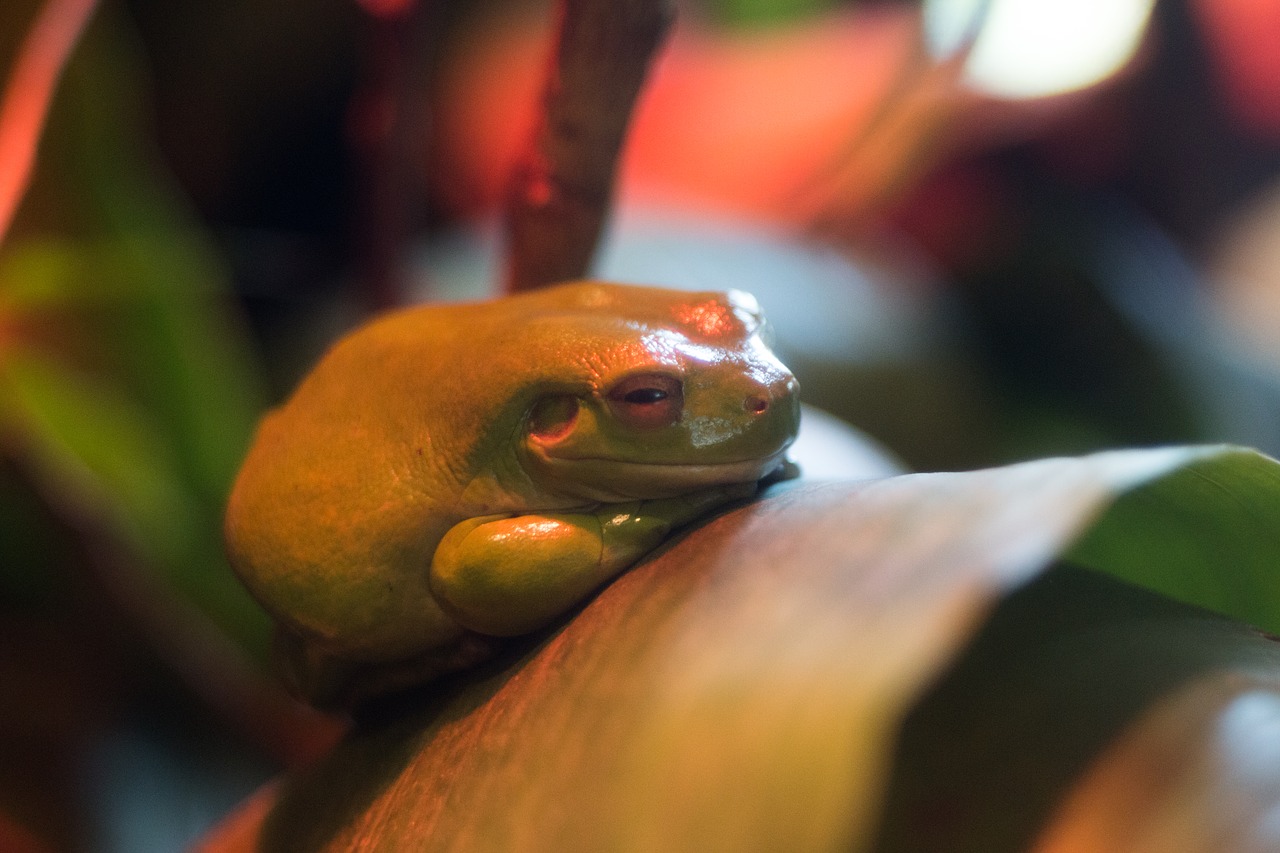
<point>452,473</point>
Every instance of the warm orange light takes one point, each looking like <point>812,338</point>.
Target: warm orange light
<point>710,319</point>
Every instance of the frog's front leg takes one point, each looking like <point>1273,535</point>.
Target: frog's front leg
<point>505,576</point>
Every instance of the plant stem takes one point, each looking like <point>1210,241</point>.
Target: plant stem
<point>41,59</point>
<point>562,185</point>
<point>901,139</point>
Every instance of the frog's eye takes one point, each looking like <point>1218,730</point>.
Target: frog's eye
<point>553,417</point>
<point>647,400</point>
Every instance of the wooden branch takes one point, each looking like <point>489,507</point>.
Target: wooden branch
<point>41,58</point>
<point>561,187</point>
<point>391,129</point>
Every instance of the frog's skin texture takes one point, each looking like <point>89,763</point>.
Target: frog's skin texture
<point>450,473</point>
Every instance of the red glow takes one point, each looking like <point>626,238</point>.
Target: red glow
<point>387,8</point>
<point>729,121</point>
<point>1242,36</point>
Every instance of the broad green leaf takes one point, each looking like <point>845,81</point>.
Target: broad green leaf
<point>1208,534</point>
<point>97,449</point>
<point>744,689</point>
<point>152,329</point>
<point>127,378</point>
<point>138,265</point>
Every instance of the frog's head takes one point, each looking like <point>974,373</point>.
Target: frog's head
<point>672,392</point>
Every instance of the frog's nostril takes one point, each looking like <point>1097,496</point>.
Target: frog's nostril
<point>756,404</point>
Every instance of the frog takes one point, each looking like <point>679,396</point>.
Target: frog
<point>449,476</point>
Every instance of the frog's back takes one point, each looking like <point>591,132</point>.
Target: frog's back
<point>351,484</point>
<point>355,474</point>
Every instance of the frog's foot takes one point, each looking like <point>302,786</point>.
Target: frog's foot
<point>505,576</point>
<point>508,576</point>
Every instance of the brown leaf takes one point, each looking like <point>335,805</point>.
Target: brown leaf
<point>740,690</point>
<point>1199,773</point>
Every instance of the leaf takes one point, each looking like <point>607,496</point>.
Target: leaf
<point>1064,667</point>
<point>102,456</point>
<point>139,268</point>
<point>174,345</point>
<point>1199,773</point>
<point>1207,533</point>
<point>767,13</point>
<point>744,688</point>
<point>127,376</point>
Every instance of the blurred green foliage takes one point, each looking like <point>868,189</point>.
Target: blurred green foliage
<point>127,386</point>
<point>758,13</point>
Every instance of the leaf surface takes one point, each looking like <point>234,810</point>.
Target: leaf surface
<point>745,687</point>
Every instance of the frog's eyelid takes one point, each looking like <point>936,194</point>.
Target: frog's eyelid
<point>647,400</point>
<point>665,372</point>
<point>645,396</point>
<point>646,380</point>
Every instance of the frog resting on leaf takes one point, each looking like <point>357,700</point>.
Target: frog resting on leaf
<point>451,474</point>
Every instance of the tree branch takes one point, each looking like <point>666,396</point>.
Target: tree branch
<point>390,130</point>
<point>561,187</point>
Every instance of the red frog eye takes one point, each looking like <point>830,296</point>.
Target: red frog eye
<point>647,400</point>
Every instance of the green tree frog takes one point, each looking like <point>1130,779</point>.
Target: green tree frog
<point>452,473</point>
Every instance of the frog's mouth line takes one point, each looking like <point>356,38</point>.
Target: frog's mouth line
<point>670,474</point>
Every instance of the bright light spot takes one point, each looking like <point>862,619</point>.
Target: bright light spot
<point>1249,735</point>
<point>1034,48</point>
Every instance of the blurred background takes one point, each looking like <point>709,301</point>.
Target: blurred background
<point>985,230</point>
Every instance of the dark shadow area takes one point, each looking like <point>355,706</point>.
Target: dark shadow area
<point>1062,667</point>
